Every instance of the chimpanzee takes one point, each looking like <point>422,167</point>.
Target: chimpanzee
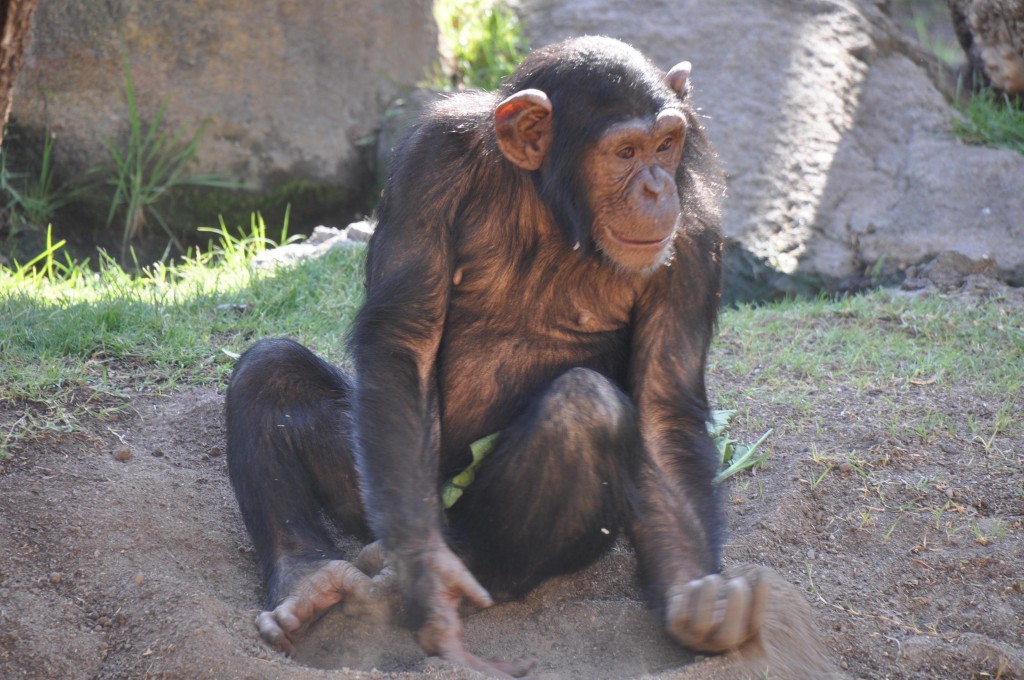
<point>541,290</point>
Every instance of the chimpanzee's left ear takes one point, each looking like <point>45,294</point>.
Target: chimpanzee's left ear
<point>678,78</point>
<point>523,123</point>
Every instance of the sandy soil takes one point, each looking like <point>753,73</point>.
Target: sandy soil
<point>122,555</point>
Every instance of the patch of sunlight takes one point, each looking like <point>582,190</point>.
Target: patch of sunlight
<point>821,96</point>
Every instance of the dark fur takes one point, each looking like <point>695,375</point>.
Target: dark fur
<point>594,376</point>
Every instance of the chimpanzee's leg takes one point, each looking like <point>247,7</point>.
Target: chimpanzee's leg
<point>553,494</point>
<point>289,458</point>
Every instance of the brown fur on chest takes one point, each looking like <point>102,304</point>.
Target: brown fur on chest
<point>526,320</point>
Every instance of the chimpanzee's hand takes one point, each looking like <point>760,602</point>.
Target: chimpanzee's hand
<point>440,582</point>
<point>715,614</point>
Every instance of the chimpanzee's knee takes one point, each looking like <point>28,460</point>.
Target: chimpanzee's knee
<point>280,366</point>
<point>554,493</point>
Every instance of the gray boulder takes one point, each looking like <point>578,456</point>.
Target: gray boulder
<point>291,90</point>
<point>833,131</point>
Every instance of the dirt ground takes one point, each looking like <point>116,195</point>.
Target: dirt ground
<point>122,555</point>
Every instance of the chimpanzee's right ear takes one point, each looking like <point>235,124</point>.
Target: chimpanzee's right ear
<point>523,123</point>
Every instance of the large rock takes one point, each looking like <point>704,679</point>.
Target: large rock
<point>992,35</point>
<point>290,89</point>
<point>834,136</point>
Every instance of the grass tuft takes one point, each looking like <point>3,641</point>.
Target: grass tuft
<point>147,168</point>
<point>989,119</point>
<point>30,200</point>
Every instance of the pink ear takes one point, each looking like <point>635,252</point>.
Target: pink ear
<point>523,124</point>
<point>677,77</point>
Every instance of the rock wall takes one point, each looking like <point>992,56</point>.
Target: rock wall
<point>290,88</point>
<point>835,139</point>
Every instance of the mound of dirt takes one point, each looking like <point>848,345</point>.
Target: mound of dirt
<point>124,556</point>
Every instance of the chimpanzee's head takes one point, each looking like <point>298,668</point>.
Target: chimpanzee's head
<point>603,131</point>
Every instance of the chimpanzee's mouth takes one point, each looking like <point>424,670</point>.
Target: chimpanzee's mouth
<point>640,243</point>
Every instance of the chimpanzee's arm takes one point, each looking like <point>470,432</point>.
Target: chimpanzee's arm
<point>678,524</point>
<point>678,530</point>
<point>394,345</point>
<point>395,337</point>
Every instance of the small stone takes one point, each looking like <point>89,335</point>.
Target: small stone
<point>238,307</point>
<point>157,453</point>
<point>215,451</point>
<point>123,455</point>
<point>359,231</point>
<point>138,579</point>
<point>322,234</point>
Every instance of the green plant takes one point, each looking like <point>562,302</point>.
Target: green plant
<point>888,534</point>
<point>735,457</point>
<point>44,265</point>
<point>991,120</point>
<point>247,244</point>
<point>148,167</point>
<point>819,478</point>
<point>485,41</point>
<point>1003,420</point>
<point>983,537</point>
<point>31,199</point>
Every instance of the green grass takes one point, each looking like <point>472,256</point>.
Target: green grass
<point>880,366</point>
<point>144,169</point>
<point>77,342</point>
<point>485,42</point>
<point>991,120</point>
<point>875,340</point>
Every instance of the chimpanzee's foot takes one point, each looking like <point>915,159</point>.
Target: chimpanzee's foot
<point>373,562</point>
<point>387,598</point>
<point>323,586</point>
<point>715,614</point>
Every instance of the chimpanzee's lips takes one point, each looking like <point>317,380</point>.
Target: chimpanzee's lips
<point>640,243</point>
